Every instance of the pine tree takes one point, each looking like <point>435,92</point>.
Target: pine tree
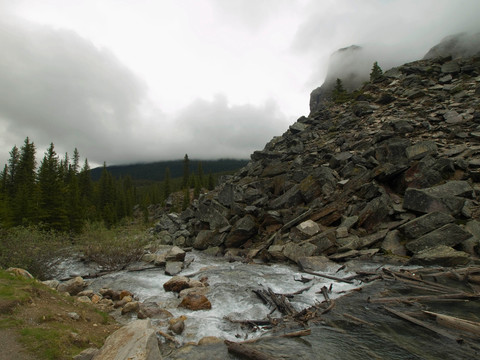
<point>186,172</point>
<point>211,182</point>
<point>339,94</point>
<point>86,192</point>
<point>24,204</point>
<point>376,72</point>
<point>52,209</point>
<point>186,198</point>
<point>106,197</point>
<point>167,188</point>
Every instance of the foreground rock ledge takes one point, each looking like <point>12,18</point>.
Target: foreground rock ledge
<point>136,341</point>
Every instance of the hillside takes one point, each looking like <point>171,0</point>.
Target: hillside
<point>156,171</point>
<point>394,171</point>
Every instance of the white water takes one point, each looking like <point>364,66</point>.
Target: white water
<point>230,293</point>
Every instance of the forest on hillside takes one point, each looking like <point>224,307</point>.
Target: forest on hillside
<point>61,195</point>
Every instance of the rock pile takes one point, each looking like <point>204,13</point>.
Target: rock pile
<point>394,172</point>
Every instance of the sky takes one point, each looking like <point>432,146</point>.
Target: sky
<point>128,81</point>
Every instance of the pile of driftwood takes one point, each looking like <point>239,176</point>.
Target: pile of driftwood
<point>430,285</point>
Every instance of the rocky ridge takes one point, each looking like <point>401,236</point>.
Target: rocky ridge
<point>394,172</point>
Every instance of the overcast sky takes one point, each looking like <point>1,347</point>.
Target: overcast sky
<point>143,80</point>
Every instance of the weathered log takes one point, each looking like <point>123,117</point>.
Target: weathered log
<point>456,323</point>
<point>328,276</point>
<point>424,324</point>
<point>249,353</point>
<point>440,297</point>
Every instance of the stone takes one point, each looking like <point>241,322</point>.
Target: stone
<point>317,264</point>
<point>136,340</point>
<point>340,159</point>
<point>292,197</point>
<point>175,254</point>
<point>52,284</point>
<point>129,307</point>
<point>449,235</point>
<point>72,286</point>
<point>195,302</point>
<point>178,326</point>
<point>84,299</point>
<point>244,229</point>
<point>153,310</point>
<point>374,213</point>
<point>295,251</point>
<point>341,232</point>
<point>424,224</point>
<point>87,354</point>
<point>177,284</point>
<point>173,268</point>
<point>450,67</point>
<point>20,272</point>
<point>276,252</point>
<point>421,149</point>
<point>209,340</point>
<point>426,201</point>
<point>440,255</point>
<point>309,228</point>
<point>362,108</point>
<point>211,215</point>
<point>208,238</point>
<point>452,117</point>
<point>392,244</point>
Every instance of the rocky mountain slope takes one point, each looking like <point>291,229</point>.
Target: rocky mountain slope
<point>394,172</point>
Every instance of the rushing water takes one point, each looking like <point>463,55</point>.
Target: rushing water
<point>230,292</point>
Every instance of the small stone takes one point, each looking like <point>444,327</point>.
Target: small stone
<point>73,315</point>
<point>309,228</point>
<point>129,307</point>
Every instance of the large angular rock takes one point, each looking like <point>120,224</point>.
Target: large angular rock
<point>72,286</point>
<point>308,228</point>
<point>424,224</point>
<point>318,264</point>
<point>175,254</point>
<point>448,235</point>
<point>295,251</point>
<point>195,302</point>
<point>441,255</point>
<point>177,284</point>
<point>211,214</point>
<point>173,268</point>
<point>291,198</point>
<point>136,340</point>
<point>421,149</point>
<point>374,213</point>
<point>392,244</point>
<point>208,238</point>
<point>430,200</point>
<point>243,230</point>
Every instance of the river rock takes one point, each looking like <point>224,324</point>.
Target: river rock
<point>448,235</point>
<point>173,268</point>
<point>195,302</point>
<point>129,307</point>
<point>153,310</point>
<point>317,264</point>
<point>136,340</point>
<point>177,284</point>
<point>295,251</point>
<point>244,229</point>
<point>175,254</point>
<point>440,255</point>
<point>424,224</point>
<point>72,286</point>
<point>207,238</point>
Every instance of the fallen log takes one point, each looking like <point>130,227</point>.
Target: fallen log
<point>249,353</point>
<point>456,323</point>
<point>424,325</point>
<point>336,278</point>
<point>440,297</point>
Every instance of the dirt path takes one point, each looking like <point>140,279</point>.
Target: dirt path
<point>11,348</point>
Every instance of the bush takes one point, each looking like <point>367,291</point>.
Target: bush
<point>32,249</point>
<point>112,249</point>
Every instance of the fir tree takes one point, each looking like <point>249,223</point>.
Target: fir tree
<point>339,94</point>
<point>186,198</point>
<point>24,203</point>
<point>186,172</point>
<point>376,72</point>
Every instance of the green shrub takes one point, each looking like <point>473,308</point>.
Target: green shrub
<point>114,248</point>
<point>32,249</point>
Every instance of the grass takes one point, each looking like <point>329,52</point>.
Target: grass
<point>39,315</point>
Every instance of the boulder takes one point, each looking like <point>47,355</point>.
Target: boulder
<point>153,310</point>
<point>211,215</point>
<point>175,254</point>
<point>374,213</point>
<point>317,264</point>
<point>440,255</point>
<point>430,200</point>
<point>72,286</point>
<point>208,238</point>
<point>308,228</point>
<point>195,302</point>
<point>448,235</point>
<point>130,307</point>
<point>173,268</point>
<point>87,354</point>
<point>392,244</point>
<point>20,272</point>
<point>177,284</point>
<point>136,340</point>
<point>421,149</point>
<point>242,230</point>
<point>295,251</point>
<point>424,224</point>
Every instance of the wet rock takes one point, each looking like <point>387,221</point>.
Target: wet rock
<point>295,251</point>
<point>195,302</point>
<point>242,230</point>
<point>317,264</point>
<point>177,284</point>
<point>208,340</point>
<point>136,340</point>
<point>175,254</point>
<point>153,310</point>
<point>207,238</point>
<point>276,252</point>
<point>440,255</point>
<point>424,224</point>
<point>129,307</point>
<point>72,286</point>
<point>173,268</point>
<point>449,235</point>
<point>177,325</point>
<point>392,244</point>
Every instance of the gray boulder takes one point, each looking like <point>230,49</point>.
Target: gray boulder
<point>440,255</point>
<point>448,235</point>
<point>136,340</point>
<point>424,224</point>
<point>244,229</point>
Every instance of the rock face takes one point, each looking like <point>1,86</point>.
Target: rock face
<point>458,45</point>
<point>137,340</point>
<point>395,171</point>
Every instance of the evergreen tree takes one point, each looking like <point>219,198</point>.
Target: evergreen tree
<point>211,182</point>
<point>186,172</point>
<point>86,189</point>
<point>339,94</point>
<point>12,172</point>
<point>376,72</point>
<point>76,161</point>
<point>200,175</point>
<point>24,204</point>
<point>52,211</point>
<point>167,188</point>
<point>106,197</point>
<point>186,198</point>
<point>197,188</point>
